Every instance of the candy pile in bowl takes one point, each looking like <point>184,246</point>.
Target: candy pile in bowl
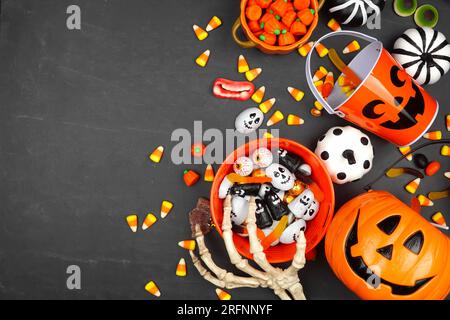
<point>282,187</point>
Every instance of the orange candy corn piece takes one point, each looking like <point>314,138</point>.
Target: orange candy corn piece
<point>166,207</point>
<point>296,93</point>
<point>328,85</point>
<point>305,49</point>
<point>202,59</point>
<point>320,74</point>
<point>439,218</point>
<point>157,154</point>
<point>258,96</point>
<point>181,268</point>
<point>433,135</point>
<point>242,64</point>
<point>447,122</point>
<point>209,173</point>
<point>405,150</point>
<point>413,186</point>
<point>132,221</point>
<point>351,47</point>
<point>153,289</point>
<point>334,25</point>
<point>322,51</point>
<point>187,244</point>
<point>223,295</point>
<point>294,120</point>
<point>214,23</point>
<point>424,201</point>
<point>199,32</point>
<point>149,220</point>
<point>275,118</point>
<point>253,74</point>
<point>267,105</point>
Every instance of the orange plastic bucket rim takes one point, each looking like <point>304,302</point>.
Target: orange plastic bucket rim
<point>316,228</point>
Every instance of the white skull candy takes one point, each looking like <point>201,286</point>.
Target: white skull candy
<point>292,232</point>
<point>312,211</point>
<point>262,157</point>
<point>239,210</point>
<point>346,152</point>
<point>301,203</point>
<point>249,120</point>
<point>282,178</point>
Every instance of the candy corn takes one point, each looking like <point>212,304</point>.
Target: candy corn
<point>319,86</point>
<point>202,59</point>
<point>199,32</point>
<point>190,177</point>
<point>149,220</point>
<point>209,173</point>
<point>328,85</point>
<point>132,221</point>
<point>187,244</point>
<point>214,23</point>
<point>334,25</point>
<point>320,74</point>
<point>447,122</point>
<point>447,174</point>
<point>267,105</point>
<point>181,268</point>
<point>152,289</point>
<point>351,47</point>
<point>305,49</point>
<point>343,81</point>
<point>253,74</point>
<point>406,150</point>
<point>296,93</point>
<point>318,105</point>
<point>157,154</point>
<point>346,89</point>
<point>223,295</point>
<point>242,64</point>
<point>439,218</point>
<point>293,120</point>
<point>413,186</point>
<point>322,51</point>
<point>433,135</point>
<point>166,206</point>
<point>315,112</point>
<point>445,151</point>
<point>424,201</point>
<point>258,96</point>
<point>275,118</point>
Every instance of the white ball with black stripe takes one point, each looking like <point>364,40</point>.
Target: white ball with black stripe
<point>355,13</point>
<point>424,53</point>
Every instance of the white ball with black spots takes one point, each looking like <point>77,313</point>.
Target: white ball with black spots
<point>346,152</point>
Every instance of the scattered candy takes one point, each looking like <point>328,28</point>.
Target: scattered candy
<point>420,160</point>
<point>198,150</point>
<point>181,270</point>
<point>342,67</point>
<point>203,58</point>
<point>296,93</point>
<point>187,244</point>
<point>438,195</point>
<point>447,122</point>
<point>445,151</point>
<point>249,120</point>
<point>275,118</point>
<point>334,25</point>
<point>424,201</point>
<point>243,166</point>
<point>433,135</point>
<point>166,206</point>
<point>318,105</point>
<point>351,47</point>
<point>262,157</point>
<point>267,105</point>
<point>214,23</point>
<point>439,218</point>
<point>293,120</point>
<point>223,295</point>
<point>242,64</point>
<point>447,174</point>
<point>305,49</point>
<point>319,86</point>
<point>253,74</point>
<point>328,85</point>
<point>190,177</point>
<point>321,50</point>
<point>236,90</point>
<point>258,96</point>
<point>149,220</point>
<point>432,168</point>
<point>413,186</point>
<point>157,154</point>
<point>395,172</point>
<point>406,150</point>
<point>320,74</point>
<point>132,221</point>
<point>152,289</point>
<point>199,32</point>
<point>209,173</point>
<point>315,113</point>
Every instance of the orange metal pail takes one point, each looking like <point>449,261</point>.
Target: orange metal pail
<point>386,102</point>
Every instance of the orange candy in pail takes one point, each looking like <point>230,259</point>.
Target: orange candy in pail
<point>386,101</point>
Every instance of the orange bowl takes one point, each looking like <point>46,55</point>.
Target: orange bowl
<point>316,228</point>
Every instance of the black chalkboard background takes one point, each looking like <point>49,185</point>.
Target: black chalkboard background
<point>81,110</point>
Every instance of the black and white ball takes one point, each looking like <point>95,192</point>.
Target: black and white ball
<point>346,152</point>
<point>355,13</point>
<point>424,53</point>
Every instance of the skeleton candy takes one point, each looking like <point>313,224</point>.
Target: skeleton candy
<point>262,157</point>
<point>239,210</point>
<point>243,166</point>
<point>236,90</point>
<point>292,232</point>
<point>249,120</point>
<point>312,211</point>
<point>275,205</point>
<point>282,178</point>
<point>263,218</point>
<point>242,190</point>
<point>224,187</point>
<point>301,204</point>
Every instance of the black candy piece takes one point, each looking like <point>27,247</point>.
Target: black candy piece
<point>289,160</point>
<point>263,218</point>
<point>276,206</point>
<point>248,189</point>
<point>420,160</point>
<point>303,178</point>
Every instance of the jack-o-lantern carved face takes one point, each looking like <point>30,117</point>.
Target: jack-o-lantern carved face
<point>382,249</point>
<point>407,100</point>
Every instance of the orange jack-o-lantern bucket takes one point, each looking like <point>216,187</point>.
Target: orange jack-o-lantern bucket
<point>386,100</point>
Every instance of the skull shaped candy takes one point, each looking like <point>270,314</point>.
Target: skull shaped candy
<point>312,211</point>
<point>301,203</point>
<point>346,152</point>
<point>292,232</point>
<point>249,120</point>
<point>282,178</point>
<point>239,210</point>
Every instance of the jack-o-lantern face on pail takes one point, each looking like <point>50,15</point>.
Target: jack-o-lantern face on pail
<point>382,249</point>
